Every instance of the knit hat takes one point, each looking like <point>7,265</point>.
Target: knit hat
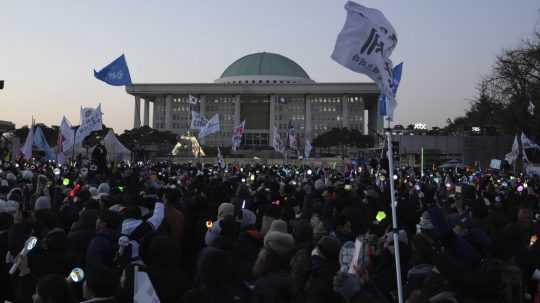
<point>11,177</point>
<point>319,184</point>
<point>329,247</point>
<point>280,243</point>
<point>248,218</point>
<point>93,191</point>
<point>278,225</point>
<point>27,175</point>
<point>42,202</point>
<point>9,207</point>
<point>225,209</point>
<point>103,188</point>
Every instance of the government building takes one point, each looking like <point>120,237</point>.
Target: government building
<point>265,90</point>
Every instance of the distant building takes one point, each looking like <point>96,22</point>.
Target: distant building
<point>266,90</point>
<point>471,150</point>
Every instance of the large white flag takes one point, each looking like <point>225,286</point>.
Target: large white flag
<point>143,290</point>
<point>198,121</point>
<point>91,120</point>
<point>238,132</point>
<point>365,44</point>
<point>26,150</point>
<point>67,134</point>
<point>527,143</point>
<point>277,143</point>
<point>212,126</point>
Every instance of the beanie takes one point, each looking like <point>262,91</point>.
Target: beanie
<point>248,218</point>
<point>278,225</point>
<point>225,209</point>
<point>103,188</point>
<point>329,247</point>
<point>42,202</point>
<point>27,175</point>
<point>280,243</point>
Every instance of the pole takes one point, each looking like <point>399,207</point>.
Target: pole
<point>395,230</point>
<point>422,161</point>
<point>73,146</point>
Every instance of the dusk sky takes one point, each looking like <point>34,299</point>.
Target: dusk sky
<point>49,48</point>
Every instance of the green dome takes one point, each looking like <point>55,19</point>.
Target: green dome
<point>265,64</point>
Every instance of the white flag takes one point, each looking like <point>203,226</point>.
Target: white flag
<point>91,120</point>
<point>26,150</point>
<point>198,121</point>
<point>143,290</point>
<point>212,126</point>
<point>221,160</point>
<point>193,100</point>
<point>277,143</point>
<point>307,150</point>
<point>67,134</point>
<point>238,132</point>
<point>513,154</point>
<point>527,143</point>
<point>365,44</point>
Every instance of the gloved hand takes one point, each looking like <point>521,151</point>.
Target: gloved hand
<point>347,285</point>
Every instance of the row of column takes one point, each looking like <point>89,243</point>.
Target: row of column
<point>375,123</point>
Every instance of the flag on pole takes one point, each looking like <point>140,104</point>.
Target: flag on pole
<point>384,105</point>
<point>365,44</point>
<point>221,160</point>
<point>26,150</point>
<point>143,290</point>
<point>198,121</point>
<point>307,149</point>
<point>116,73</point>
<point>277,143</point>
<point>91,120</point>
<point>212,126</point>
<point>238,132</point>
<point>193,100</point>
<point>292,138</point>
<point>67,133</point>
<point>526,143</point>
<point>40,143</point>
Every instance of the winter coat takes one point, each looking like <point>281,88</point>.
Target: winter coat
<point>300,269</point>
<point>102,250</point>
<point>273,287</point>
<point>79,238</point>
<point>319,285</point>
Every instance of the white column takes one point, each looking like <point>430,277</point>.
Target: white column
<point>307,122</point>
<point>237,111</point>
<point>272,115</point>
<point>345,112</point>
<point>137,113</point>
<point>157,103</point>
<point>168,112</point>
<point>146,112</point>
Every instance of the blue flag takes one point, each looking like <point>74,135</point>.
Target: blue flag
<point>116,73</point>
<point>396,77</point>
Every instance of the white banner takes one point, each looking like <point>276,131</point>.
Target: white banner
<point>211,127</point>
<point>238,132</point>
<point>198,121</point>
<point>91,120</point>
<point>365,44</point>
<point>26,150</point>
<point>67,134</point>
<point>307,149</point>
<point>277,143</point>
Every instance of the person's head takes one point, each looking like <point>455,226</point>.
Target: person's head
<point>108,220</point>
<point>225,209</point>
<point>275,254</point>
<point>524,216</point>
<point>52,289</point>
<point>100,283</point>
<point>172,196</point>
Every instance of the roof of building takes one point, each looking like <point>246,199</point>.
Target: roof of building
<point>264,64</point>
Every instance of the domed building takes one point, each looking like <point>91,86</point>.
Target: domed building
<point>266,90</point>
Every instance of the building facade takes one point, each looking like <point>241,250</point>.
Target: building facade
<point>265,90</point>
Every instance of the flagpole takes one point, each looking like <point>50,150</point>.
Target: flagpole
<point>395,230</point>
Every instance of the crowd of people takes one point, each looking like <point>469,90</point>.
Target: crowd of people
<point>264,233</point>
